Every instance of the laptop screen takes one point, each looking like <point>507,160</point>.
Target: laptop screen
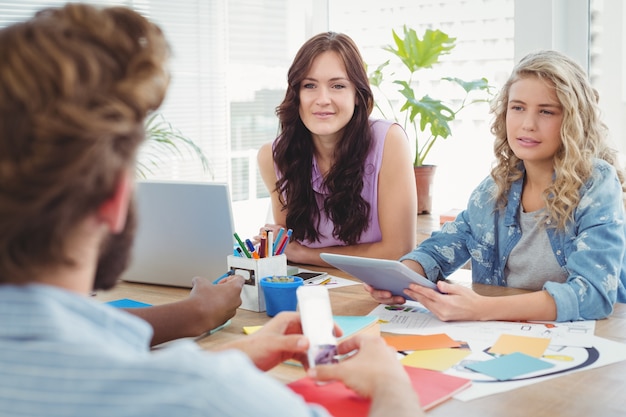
<point>184,230</point>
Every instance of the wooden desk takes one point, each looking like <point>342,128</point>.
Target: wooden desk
<point>596,392</point>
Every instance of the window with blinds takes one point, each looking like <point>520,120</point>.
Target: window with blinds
<point>607,64</point>
<point>229,67</point>
<point>230,61</point>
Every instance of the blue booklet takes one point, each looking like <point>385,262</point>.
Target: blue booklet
<point>127,303</point>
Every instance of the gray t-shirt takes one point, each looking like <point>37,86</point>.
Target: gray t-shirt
<point>532,261</point>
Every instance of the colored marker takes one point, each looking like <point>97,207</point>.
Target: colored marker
<point>263,247</point>
<point>283,244</point>
<point>270,243</point>
<point>242,246</point>
<point>278,241</point>
<point>252,249</point>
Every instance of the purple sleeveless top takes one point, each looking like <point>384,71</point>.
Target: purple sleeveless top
<point>373,163</point>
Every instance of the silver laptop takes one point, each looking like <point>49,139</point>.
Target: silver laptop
<point>184,230</point>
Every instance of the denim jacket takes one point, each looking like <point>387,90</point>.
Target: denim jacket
<point>592,249</point>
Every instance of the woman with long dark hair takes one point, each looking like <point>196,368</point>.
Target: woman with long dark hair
<point>343,182</point>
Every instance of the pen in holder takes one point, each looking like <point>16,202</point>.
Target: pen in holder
<point>253,270</point>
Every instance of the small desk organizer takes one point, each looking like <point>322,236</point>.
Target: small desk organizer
<point>253,270</point>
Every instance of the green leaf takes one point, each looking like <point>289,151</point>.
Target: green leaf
<point>416,53</point>
<point>468,86</point>
<point>162,137</point>
<point>376,76</point>
<point>431,111</point>
<point>428,117</point>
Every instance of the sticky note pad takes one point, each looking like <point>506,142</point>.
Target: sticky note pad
<point>421,342</point>
<point>532,346</point>
<point>251,329</point>
<point>127,303</point>
<point>435,359</point>
<point>509,366</point>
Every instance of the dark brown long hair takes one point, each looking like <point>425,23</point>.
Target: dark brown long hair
<point>75,86</point>
<point>293,154</point>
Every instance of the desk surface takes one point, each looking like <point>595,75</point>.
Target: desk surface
<point>597,392</point>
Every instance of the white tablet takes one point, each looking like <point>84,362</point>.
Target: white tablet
<point>382,274</point>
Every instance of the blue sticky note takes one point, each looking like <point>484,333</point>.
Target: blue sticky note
<point>127,303</point>
<point>352,324</point>
<point>509,366</point>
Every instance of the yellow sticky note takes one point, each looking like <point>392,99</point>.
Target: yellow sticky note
<point>435,359</point>
<point>532,346</point>
<point>250,329</point>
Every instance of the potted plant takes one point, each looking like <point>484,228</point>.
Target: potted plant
<point>426,118</point>
<point>162,137</point>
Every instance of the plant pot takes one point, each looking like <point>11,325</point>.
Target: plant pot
<point>424,178</point>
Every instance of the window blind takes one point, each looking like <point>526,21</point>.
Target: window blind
<point>230,61</point>
<point>229,65</point>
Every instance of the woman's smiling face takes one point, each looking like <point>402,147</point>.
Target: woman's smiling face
<point>327,97</point>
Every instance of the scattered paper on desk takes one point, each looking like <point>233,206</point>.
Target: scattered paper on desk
<point>338,282</point>
<point>532,346</point>
<point>421,342</point>
<point>509,366</point>
<point>335,282</point>
<point>413,318</point>
<point>435,359</point>
<point>607,352</point>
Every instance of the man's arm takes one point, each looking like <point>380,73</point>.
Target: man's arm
<point>207,307</point>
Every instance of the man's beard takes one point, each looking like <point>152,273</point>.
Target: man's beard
<point>115,253</point>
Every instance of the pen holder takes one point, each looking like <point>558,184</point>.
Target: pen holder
<point>253,270</point>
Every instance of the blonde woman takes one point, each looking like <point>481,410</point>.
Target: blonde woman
<point>549,218</point>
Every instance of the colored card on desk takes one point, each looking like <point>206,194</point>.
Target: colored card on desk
<point>352,325</point>
<point>127,303</point>
<point>532,346</point>
<point>435,359</point>
<point>432,387</point>
<point>421,342</point>
<point>509,366</point>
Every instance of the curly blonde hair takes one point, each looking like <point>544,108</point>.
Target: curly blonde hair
<point>75,86</point>
<point>583,135</point>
